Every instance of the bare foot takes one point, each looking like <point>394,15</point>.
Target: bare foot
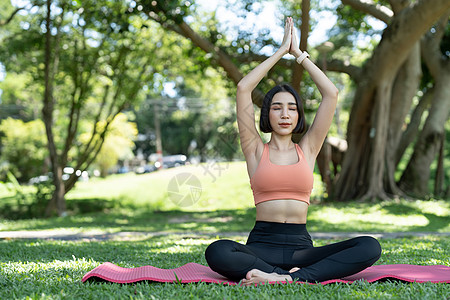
<point>294,269</point>
<point>256,276</point>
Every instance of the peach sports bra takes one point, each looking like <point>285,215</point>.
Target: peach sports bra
<point>271,181</point>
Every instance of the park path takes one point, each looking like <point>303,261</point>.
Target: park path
<point>99,235</point>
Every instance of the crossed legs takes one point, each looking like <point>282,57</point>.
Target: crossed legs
<point>257,262</point>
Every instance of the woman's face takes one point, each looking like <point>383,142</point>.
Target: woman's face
<point>283,113</point>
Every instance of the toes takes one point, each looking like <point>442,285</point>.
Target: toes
<point>249,274</point>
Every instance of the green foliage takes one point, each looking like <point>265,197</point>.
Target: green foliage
<point>352,25</point>
<point>19,98</point>
<point>21,202</point>
<point>118,143</point>
<point>103,58</point>
<point>208,123</point>
<point>113,54</point>
<point>168,12</point>
<point>24,147</point>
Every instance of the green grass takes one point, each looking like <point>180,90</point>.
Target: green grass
<point>44,269</point>
<point>53,270</point>
<point>387,216</point>
<point>223,185</point>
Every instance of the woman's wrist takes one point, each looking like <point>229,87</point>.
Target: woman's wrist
<point>297,53</point>
<point>300,59</point>
<point>282,51</point>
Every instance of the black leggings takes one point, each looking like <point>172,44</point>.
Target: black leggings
<point>277,247</point>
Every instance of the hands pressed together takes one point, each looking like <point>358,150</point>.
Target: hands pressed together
<point>290,44</point>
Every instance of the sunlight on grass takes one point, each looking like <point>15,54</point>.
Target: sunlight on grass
<point>53,269</point>
<point>334,216</point>
<point>396,215</point>
<point>417,251</point>
<point>152,189</point>
<point>223,185</point>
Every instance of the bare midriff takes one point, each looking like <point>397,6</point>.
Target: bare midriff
<point>282,211</point>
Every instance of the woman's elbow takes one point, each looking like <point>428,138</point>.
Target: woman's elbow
<point>333,94</point>
<point>240,85</point>
<point>244,86</point>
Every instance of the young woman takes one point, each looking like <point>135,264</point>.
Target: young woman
<point>279,247</point>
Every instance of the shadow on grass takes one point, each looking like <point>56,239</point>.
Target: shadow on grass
<point>162,251</point>
<point>172,251</point>
<point>81,206</point>
<point>149,221</point>
<point>28,207</point>
<point>107,215</point>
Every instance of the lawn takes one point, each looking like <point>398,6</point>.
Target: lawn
<point>46,269</point>
<point>53,270</point>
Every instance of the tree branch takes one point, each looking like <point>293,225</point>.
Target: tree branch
<point>220,56</point>
<point>186,31</point>
<point>182,28</point>
<point>378,11</point>
<point>4,22</point>
<point>80,85</point>
<point>340,66</point>
<point>396,42</point>
<point>232,70</point>
<point>91,155</point>
<point>398,5</point>
<point>412,128</point>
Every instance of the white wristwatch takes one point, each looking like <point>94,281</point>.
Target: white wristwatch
<point>302,57</point>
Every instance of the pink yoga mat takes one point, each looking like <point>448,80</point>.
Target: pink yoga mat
<point>193,272</point>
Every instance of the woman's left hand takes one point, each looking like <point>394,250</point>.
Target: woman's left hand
<point>294,48</point>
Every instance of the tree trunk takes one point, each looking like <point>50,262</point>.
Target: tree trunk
<point>50,67</point>
<point>416,176</point>
<point>323,163</point>
<point>405,87</point>
<point>350,180</point>
<point>378,134</point>
<point>364,164</point>
<point>440,174</point>
<point>57,202</point>
<point>297,74</point>
<point>412,131</point>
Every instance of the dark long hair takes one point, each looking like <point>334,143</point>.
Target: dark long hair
<point>264,122</point>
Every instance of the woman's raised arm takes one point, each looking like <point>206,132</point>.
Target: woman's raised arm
<point>314,138</point>
<point>244,107</point>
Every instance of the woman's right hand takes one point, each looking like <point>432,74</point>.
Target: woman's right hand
<point>286,43</point>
